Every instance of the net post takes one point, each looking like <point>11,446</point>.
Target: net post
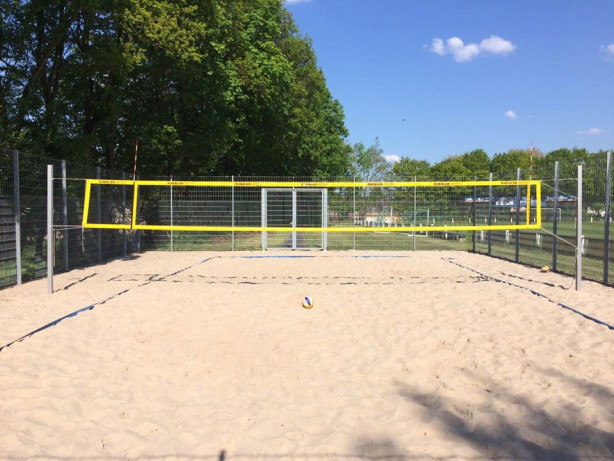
<point>50,239</point>
<point>263,217</point>
<point>416,212</point>
<point>579,231</point>
<point>233,211</point>
<point>65,216</point>
<point>98,217</point>
<point>608,211</point>
<point>555,209</point>
<point>172,246</point>
<point>17,215</point>
<point>489,214</point>
<point>293,218</point>
<point>354,216</point>
<point>324,218</point>
<point>124,233</point>
<point>517,243</point>
<point>473,210</point>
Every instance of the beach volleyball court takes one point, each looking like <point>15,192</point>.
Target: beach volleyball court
<point>208,355</point>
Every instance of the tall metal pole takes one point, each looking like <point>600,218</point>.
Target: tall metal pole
<point>489,214</point>
<point>233,212</point>
<point>17,215</point>
<point>354,216</point>
<point>124,216</point>
<point>555,217</point>
<point>608,214</point>
<point>517,253</point>
<point>579,231</point>
<point>415,211</point>
<point>172,246</point>
<point>98,217</point>
<point>50,239</point>
<point>473,211</point>
<point>65,216</point>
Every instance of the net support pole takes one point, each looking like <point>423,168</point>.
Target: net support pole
<point>98,217</point>
<point>233,212</point>
<point>294,218</point>
<point>17,216</point>
<point>324,218</point>
<point>354,216</point>
<point>473,212</point>
<point>50,240</point>
<point>65,217</point>
<point>517,243</point>
<point>124,215</point>
<point>415,211</point>
<point>172,235</point>
<point>579,231</point>
<point>555,209</point>
<point>608,211</point>
<point>489,214</point>
<point>263,217</point>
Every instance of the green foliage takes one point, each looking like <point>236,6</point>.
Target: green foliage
<point>407,169</point>
<point>368,163</point>
<point>211,87</point>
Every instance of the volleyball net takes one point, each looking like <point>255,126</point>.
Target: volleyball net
<point>312,207</point>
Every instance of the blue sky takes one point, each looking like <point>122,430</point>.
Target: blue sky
<point>434,78</point>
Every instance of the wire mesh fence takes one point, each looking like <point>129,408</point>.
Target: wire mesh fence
<point>23,240</point>
<point>23,219</point>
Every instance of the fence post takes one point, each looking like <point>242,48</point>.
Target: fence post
<point>172,234</point>
<point>517,256</point>
<point>124,234</point>
<point>473,210</point>
<point>489,213</point>
<point>579,231</point>
<point>415,223</point>
<point>65,216</point>
<point>555,209</point>
<point>50,239</point>
<point>608,211</point>
<point>17,215</point>
<point>98,217</point>
<point>233,211</point>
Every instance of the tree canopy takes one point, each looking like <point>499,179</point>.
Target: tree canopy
<point>210,87</point>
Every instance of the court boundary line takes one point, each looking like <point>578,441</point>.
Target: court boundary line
<point>98,303</point>
<point>533,292</point>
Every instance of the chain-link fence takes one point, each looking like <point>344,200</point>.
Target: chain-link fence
<point>555,244</point>
<point>23,208</point>
<point>23,219</point>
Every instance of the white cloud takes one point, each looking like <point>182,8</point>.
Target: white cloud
<point>293,2</point>
<point>591,131</point>
<point>511,115</point>
<point>462,52</point>
<point>608,51</point>
<point>438,47</point>
<point>392,158</point>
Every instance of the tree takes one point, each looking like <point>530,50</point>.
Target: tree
<point>477,163</point>
<point>368,163</point>
<point>452,168</point>
<point>407,169</point>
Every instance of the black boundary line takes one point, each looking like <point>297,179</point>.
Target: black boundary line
<point>534,292</point>
<point>91,306</point>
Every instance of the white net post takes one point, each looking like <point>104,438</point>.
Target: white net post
<point>50,240</point>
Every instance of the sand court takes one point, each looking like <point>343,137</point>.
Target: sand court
<point>205,355</point>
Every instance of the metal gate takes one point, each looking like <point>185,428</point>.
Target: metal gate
<point>292,208</point>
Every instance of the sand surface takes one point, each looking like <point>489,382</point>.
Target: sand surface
<point>211,356</point>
